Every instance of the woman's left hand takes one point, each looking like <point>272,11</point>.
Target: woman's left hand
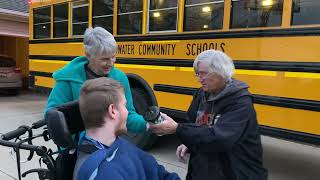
<point>168,126</point>
<point>181,152</point>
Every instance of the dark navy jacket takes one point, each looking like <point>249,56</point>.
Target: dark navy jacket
<point>122,161</point>
<point>229,146</point>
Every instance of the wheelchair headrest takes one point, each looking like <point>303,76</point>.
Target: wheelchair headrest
<point>63,122</point>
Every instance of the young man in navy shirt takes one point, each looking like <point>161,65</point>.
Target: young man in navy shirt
<point>104,113</point>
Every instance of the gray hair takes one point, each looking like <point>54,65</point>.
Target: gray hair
<point>217,62</point>
<point>98,41</point>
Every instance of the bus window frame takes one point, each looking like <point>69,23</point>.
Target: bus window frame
<point>126,13</point>
<point>260,27</point>
<point>165,31</point>
<point>147,15</point>
<point>299,25</point>
<point>305,26</point>
<point>79,6</point>
<point>33,25</point>
<point>102,16</point>
<point>201,4</point>
<point>53,21</point>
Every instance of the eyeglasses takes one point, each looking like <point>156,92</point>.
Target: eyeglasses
<point>203,75</point>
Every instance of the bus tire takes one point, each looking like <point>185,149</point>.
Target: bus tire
<point>141,103</point>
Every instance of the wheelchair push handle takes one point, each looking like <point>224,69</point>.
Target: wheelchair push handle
<point>38,124</point>
<point>15,133</point>
<point>22,130</point>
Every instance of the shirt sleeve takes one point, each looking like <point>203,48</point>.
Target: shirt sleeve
<point>165,175</point>
<point>135,122</point>
<point>60,94</point>
<point>153,168</point>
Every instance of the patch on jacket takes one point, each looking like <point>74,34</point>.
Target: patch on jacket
<point>216,118</point>
<point>209,119</point>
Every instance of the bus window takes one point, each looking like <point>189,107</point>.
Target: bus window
<point>41,23</point>
<point>203,15</point>
<point>79,17</point>
<point>305,12</point>
<point>252,13</point>
<point>163,15</point>
<point>130,16</point>
<point>60,20</point>
<point>103,14</point>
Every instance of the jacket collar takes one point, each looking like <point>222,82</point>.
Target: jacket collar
<point>231,87</point>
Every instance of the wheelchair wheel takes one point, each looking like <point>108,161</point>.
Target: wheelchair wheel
<point>141,103</point>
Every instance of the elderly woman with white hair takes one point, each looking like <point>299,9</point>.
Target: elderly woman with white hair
<point>223,135</point>
<point>100,51</point>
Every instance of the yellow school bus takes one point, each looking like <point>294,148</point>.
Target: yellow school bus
<point>275,45</point>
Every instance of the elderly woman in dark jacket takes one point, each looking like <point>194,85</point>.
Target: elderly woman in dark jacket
<point>223,136</point>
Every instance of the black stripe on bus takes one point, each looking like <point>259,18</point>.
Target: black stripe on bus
<point>62,40</point>
<point>50,57</point>
<point>278,66</point>
<point>258,99</point>
<point>180,116</point>
<point>314,31</point>
<point>265,130</point>
<point>290,135</point>
<point>38,73</point>
<point>249,65</point>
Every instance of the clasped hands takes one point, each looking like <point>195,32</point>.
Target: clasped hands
<point>169,126</point>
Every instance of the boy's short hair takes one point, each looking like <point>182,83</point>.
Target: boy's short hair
<point>96,95</point>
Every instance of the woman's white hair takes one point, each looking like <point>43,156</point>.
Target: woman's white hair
<point>98,41</point>
<point>217,62</point>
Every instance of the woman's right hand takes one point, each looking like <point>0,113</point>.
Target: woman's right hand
<point>181,151</point>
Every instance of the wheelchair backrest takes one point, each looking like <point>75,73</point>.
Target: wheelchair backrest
<point>63,122</point>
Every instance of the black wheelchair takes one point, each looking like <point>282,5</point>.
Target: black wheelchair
<point>61,124</point>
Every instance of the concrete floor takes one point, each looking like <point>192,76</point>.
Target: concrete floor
<point>284,160</point>
<point>14,112</point>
